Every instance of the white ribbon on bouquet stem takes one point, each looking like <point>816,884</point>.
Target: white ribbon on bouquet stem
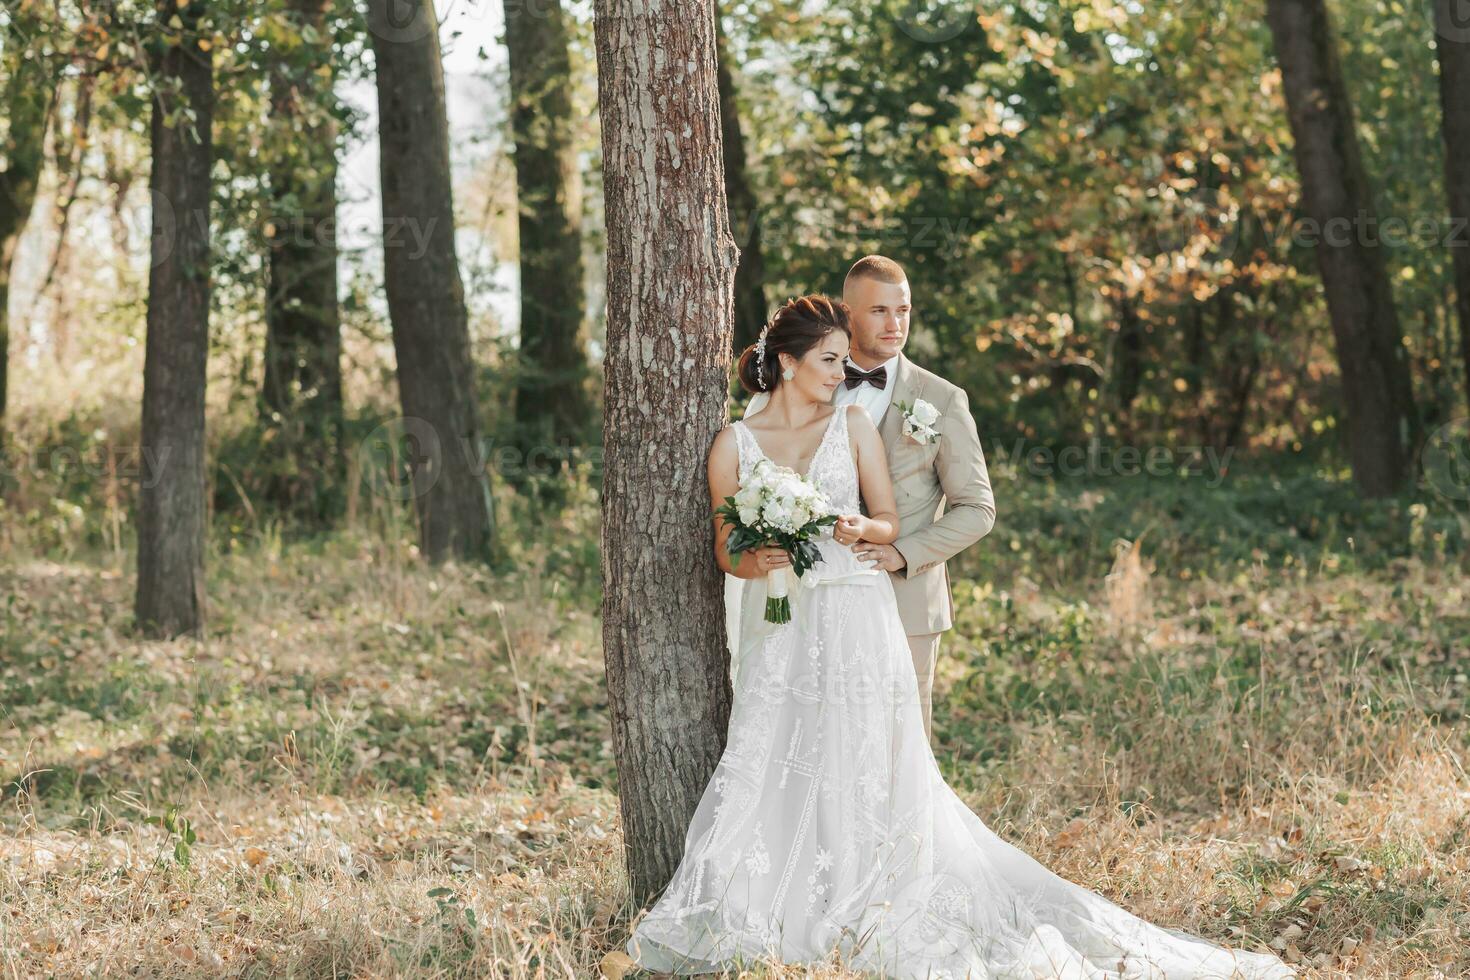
<point>785,582</point>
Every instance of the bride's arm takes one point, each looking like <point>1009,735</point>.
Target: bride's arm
<point>724,480</point>
<point>874,482</point>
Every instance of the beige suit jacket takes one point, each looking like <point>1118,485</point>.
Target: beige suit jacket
<point>943,493</point>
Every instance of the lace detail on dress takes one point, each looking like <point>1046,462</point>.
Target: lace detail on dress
<point>747,448</point>
<point>831,469</point>
<point>834,473</point>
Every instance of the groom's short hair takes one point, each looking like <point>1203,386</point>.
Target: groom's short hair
<point>878,267</point>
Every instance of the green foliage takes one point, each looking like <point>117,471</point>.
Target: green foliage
<point>1280,513</point>
<point>180,831</point>
<point>456,925</point>
<point>1095,204</point>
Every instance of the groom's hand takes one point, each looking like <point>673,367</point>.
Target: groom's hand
<point>884,556</point>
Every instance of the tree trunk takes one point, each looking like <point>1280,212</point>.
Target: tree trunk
<point>750,278</point>
<point>1382,423</point>
<point>436,379</point>
<point>301,395</point>
<point>671,265</point>
<point>552,406</point>
<point>1128,362</point>
<point>28,91</point>
<point>1452,40</point>
<point>171,499</point>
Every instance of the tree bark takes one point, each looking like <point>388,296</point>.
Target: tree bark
<point>552,406</point>
<point>28,92</point>
<point>671,265</point>
<point>1452,42</point>
<point>171,500</point>
<point>431,338</point>
<point>750,278</point>
<point>301,394</point>
<point>1382,423</point>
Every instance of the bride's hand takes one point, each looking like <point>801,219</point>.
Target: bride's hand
<point>849,529</point>
<point>769,559</point>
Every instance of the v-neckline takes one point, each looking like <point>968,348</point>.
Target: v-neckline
<point>816,453</point>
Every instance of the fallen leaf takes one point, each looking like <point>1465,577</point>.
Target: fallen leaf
<point>616,964</point>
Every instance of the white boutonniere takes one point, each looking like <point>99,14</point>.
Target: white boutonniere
<point>918,421</point>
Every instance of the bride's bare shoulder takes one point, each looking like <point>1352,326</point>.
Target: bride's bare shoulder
<point>858,419</point>
<point>725,445</point>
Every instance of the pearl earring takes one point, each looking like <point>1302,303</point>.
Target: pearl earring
<point>788,374</point>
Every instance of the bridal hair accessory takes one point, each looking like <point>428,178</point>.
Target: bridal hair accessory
<point>760,357</point>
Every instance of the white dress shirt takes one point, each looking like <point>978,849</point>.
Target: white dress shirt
<point>874,400</point>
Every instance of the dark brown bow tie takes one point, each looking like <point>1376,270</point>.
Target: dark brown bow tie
<point>878,377</point>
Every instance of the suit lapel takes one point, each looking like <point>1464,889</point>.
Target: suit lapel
<point>891,425</point>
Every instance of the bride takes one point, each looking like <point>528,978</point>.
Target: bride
<point>827,830</point>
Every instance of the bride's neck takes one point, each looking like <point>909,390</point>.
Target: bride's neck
<point>791,408</point>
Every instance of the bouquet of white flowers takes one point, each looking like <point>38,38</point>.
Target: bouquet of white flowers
<point>776,506</point>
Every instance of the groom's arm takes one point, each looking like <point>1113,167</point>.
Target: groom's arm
<point>965,479</point>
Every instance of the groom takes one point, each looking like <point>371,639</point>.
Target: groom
<point>928,471</point>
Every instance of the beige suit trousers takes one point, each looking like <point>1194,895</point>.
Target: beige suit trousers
<point>924,648</point>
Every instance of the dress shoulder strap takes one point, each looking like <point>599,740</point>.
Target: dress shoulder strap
<point>845,481</point>
<point>842,420</point>
<point>841,433</point>
<point>746,447</point>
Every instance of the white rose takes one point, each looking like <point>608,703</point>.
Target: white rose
<point>924,413</point>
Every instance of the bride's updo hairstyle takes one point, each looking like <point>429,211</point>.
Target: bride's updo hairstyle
<point>796,328</point>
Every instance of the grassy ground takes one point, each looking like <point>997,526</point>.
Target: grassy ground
<point>372,768</point>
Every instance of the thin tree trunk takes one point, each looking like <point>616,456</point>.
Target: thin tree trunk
<point>1125,367</point>
<point>436,378</point>
<point>28,92</point>
<point>301,394</point>
<point>1243,382</point>
<point>552,407</point>
<point>1452,40</point>
<point>750,290</point>
<point>1129,363</point>
<point>1382,423</point>
<point>1225,340</point>
<point>671,265</point>
<point>171,500</point>
<point>69,149</point>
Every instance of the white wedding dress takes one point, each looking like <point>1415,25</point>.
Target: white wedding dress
<point>827,825</point>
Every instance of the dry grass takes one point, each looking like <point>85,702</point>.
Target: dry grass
<point>392,771</point>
